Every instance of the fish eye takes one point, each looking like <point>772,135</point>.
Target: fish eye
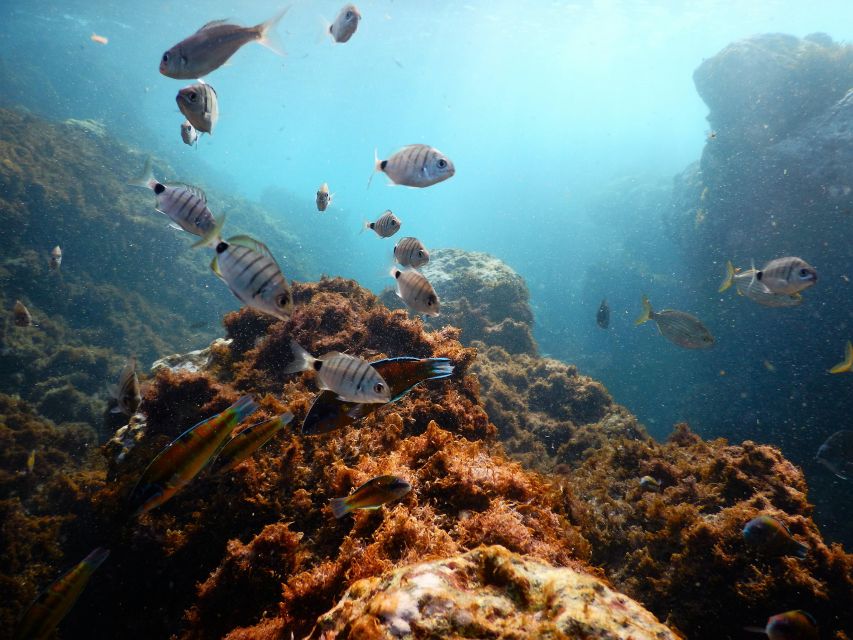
<point>442,163</point>
<point>804,272</point>
<point>166,57</point>
<point>282,300</point>
<point>193,96</point>
<point>420,253</point>
<point>431,300</point>
<point>379,387</point>
<point>349,15</point>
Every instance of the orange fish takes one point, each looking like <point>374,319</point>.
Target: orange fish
<point>249,440</point>
<point>56,601</point>
<point>99,39</point>
<point>371,495</point>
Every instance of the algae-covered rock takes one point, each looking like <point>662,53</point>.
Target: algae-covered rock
<point>487,593</point>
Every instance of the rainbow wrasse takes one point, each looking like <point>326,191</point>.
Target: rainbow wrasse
<point>249,440</point>
<point>186,456</point>
<point>371,495</point>
<point>56,601</point>
<point>329,413</point>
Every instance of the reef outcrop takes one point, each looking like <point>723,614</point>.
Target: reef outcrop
<point>487,593</point>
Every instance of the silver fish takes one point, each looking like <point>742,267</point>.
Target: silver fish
<point>188,133</point>
<point>386,226</point>
<point>199,104</point>
<point>787,275</point>
<point>211,46</point>
<point>127,395</point>
<point>353,379</point>
<point>345,24</point>
<point>747,285</point>
<point>410,252</point>
<point>185,205</point>
<point>416,291</point>
<point>22,316</point>
<point>55,258</point>
<point>678,327</point>
<point>253,275</point>
<point>324,198</point>
<point>417,165</point>
<point>836,454</point>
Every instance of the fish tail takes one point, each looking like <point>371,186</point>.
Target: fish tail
<point>302,360</point>
<point>340,507</point>
<point>242,409</point>
<point>145,179</point>
<point>96,558</point>
<point>325,30</point>
<point>377,166</point>
<point>801,550</point>
<point>212,237</point>
<point>761,630</point>
<point>646,315</point>
<point>847,364</point>
<point>730,277</point>
<point>436,368</point>
<point>267,35</point>
<point>364,226</point>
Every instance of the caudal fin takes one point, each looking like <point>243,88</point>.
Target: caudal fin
<point>302,360</point>
<point>267,35</point>
<point>801,550</point>
<point>145,179</point>
<point>730,277</point>
<point>243,408</point>
<point>377,166</point>
<point>340,507</point>
<point>847,364</point>
<point>646,315</point>
<point>212,237</point>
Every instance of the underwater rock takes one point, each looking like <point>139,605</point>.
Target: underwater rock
<point>481,295</point>
<point>487,593</point>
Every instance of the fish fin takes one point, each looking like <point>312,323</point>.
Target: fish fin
<point>302,360</point>
<point>802,550</point>
<point>325,31</point>
<point>242,409</point>
<point>755,630</point>
<point>340,507</point>
<point>754,272</point>
<point>847,363</point>
<point>212,23</point>
<point>365,225</point>
<point>646,315</point>
<point>174,226</point>
<point>116,409</point>
<point>377,166</point>
<point>214,266</point>
<point>212,237</point>
<point>267,35</point>
<point>730,277</point>
<point>145,179</point>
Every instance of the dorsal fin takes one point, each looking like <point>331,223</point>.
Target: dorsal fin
<point>251,243</point>
<point>211,24</point>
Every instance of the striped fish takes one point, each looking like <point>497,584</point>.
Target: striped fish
<point>386,226</point>
<point>678,327</point>
<point>52,605</point>
<point>249,440</point>
<point>410,252</point>
<point>371,495</point>
<point>416,165</point>
<point>344,26</point>
<point>353,379</point>
<point>324,198</point>
<point>186,456</point>
<point>127,395</point>
<point>416,291</point>
<point>188,133</point>
<point>253,275</point>
<point>198,102</point>
<point>185,205</point>
<point>787,275</point>
<point>748,286</point>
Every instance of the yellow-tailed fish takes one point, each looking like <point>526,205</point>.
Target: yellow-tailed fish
<point>249,440</point>
<point>748,286</point>
<point>31,462</point>
<point>48,610</point>
<point>787,275</point>
<point>678,327</point>
<point>371,495</point>
<point>185,457</point>
<point>846,364</point>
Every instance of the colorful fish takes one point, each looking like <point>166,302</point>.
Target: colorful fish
<point>249,440</point>
<point>56,601</point>
<point>769,535</point>
<point>329,413</point>
<point>790,625</point>
<point>185,457</point>
<point>371,495</point>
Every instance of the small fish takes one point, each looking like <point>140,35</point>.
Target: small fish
<point>254,277</point>
<point>54,603</point>
<point>198,102</point>
<point>189,134</point>
<point>127,395</point>
<point>416,291</point>
<point>371,495</point>
<point>787,275</point>
<point>748,286</point>
<point>324,198</point>
<point>386,226</point>
<point>836,454</point>
<point>410,252</point>
<point>99,39</point>
<point>247,441</point>
<point>769,535</point>
<point>186,456</point>
<point>678,327</point>
<point>647,483</point>
<point>846,364</point>
<point>602,318</point>
<point>402,374</point>
<point>55,258</point>
<point>353,379</point>
<point>21,315</point>
<point>769,366</point>
<point>211,46</point>
<point>185,205</point>
<point>345,24</point>
<point>791,625</point>
<point>31,462</point>
<point>416,165</point>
